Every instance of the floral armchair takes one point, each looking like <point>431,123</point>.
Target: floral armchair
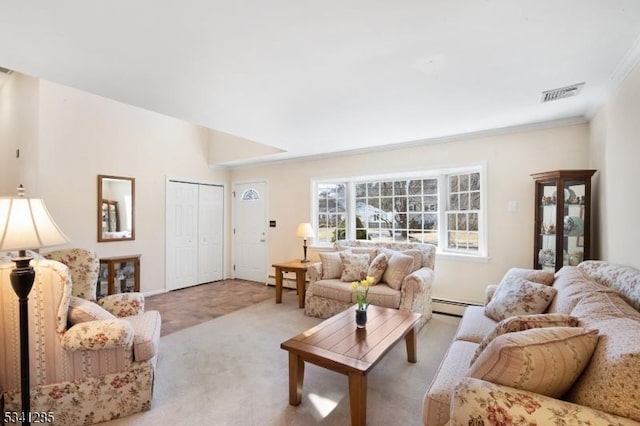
<point>87,364</point>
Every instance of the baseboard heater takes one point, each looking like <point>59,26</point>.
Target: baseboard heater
<point>450,306</point>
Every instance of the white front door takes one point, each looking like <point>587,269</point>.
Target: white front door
<point>210,233</point>
<point>181,234</point>
<point>250,231</point>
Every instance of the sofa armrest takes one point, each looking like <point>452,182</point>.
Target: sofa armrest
<point>416,292</point>
<point>476,401</point>
<point>489,292</point>
<point>98,335</point>
<point>314,273</point>
<point>123,304</point>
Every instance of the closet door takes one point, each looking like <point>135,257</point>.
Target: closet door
<point>210,233</point>
<point>182,235</point>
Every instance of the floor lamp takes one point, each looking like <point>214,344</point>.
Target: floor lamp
<point>25,223</point>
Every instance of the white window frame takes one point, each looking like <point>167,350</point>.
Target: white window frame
<point>443,196</point>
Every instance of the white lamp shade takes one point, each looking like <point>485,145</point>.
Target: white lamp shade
<point>25,223</point>
<point>305,230</point>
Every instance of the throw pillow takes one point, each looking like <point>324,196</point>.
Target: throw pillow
<point>519,297</point>
<point>535,275</point>
<point>541,360</point>
<point>525,322</point>
<point>377,268</point>
<point>81,310</point>
<point>355,266</point>
<point>331,265</point>
<point>415,253</point>
<point>398,267</point>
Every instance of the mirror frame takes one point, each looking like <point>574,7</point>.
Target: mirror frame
<point>101,238</point>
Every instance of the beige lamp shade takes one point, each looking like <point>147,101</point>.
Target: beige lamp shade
<point>305,230</point>
<point>25,223</point>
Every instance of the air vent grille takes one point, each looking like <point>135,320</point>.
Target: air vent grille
<point>562,92</point>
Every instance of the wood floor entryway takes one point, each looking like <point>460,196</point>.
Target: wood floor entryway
<point>190,306</point>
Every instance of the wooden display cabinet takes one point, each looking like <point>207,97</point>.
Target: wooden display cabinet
<point>562,222</point>
<point>119,274</point>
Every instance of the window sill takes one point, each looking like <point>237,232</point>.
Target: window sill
<point>462,257</point>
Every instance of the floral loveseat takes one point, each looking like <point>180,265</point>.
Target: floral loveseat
<point>87,364</point>
<point>405,274</point>
<point>578,363</point>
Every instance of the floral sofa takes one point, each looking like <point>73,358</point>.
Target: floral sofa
<point>89,362</point>
<point>405,277</point>
<point>568,352</point>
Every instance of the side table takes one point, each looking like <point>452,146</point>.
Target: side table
<point>300,269</point>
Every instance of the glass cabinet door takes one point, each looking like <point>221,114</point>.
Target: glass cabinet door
<point>562,218</point>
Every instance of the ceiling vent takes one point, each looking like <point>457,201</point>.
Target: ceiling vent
<point>562,92</point>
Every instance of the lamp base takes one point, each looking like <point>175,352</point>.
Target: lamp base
<point>304,247</point>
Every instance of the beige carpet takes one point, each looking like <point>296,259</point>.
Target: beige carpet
<point>231,371</point>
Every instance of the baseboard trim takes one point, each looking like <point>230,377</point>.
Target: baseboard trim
<point>450,306</point>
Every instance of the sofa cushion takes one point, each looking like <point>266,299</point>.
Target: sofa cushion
<point>377,268</point>
<point>332,289</point>
<point>452,369</point>
<point>415,253</point>
<point>331,265</point>
<point>572,285</point>
<point>371,251</point>
<point>399,265</point>
<point>355,266</point>
<point>624,279</point>
<point>541,360</point>
<point>525,322</point>
<point>81,310</point>
<point>609,382</point>
<point>474,325</point>
<point>518,296</point>
<point>383,295</point>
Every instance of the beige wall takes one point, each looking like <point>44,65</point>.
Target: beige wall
<point>18,130</point>
<point>510,158</point>
<point>615,149</point>
<point>83,135</point>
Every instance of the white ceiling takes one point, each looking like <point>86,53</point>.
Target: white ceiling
<point>313,77</point>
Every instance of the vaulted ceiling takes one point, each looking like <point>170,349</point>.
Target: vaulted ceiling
<point>313,77</point>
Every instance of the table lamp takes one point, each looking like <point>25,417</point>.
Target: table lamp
<point>305,231</point>
<point>25,223</point>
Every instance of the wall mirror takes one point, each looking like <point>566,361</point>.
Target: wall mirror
<point>116,208</point>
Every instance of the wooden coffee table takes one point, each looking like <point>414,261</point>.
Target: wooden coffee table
<point>336,344</point>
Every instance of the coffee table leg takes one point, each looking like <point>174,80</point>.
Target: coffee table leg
<point>278,285</point>
<point>296,377</point>
<point>410,340</point>
<point>358,399</point>
<point>300,276</point>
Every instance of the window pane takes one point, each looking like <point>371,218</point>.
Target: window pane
<point>415,221</point>
<point>400,204</point>
<point>473,221</point>
<point>453,184</point>
<point>374,203</point>
<point>400,188</point>
<point>430,204</point>
<point>452,240</point>
<point>474,181</point>
<point>453,202</point>
<point>430,186</point>
<point>373,189</point>
<point>431,221</point>
<point>361,189</point>
<point>464,201</point>
<point>451,219</point>
<point>464,182</point>
<point>386,189</point>
<point>475,201</point>
<point>415,187</point>
<point>462,222</point>
<point>386,204</point>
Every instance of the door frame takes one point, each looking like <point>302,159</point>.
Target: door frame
<point>266,223</point>
<point>225,227</point>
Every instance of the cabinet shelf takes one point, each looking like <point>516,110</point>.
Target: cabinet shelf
<point>570,215</point>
